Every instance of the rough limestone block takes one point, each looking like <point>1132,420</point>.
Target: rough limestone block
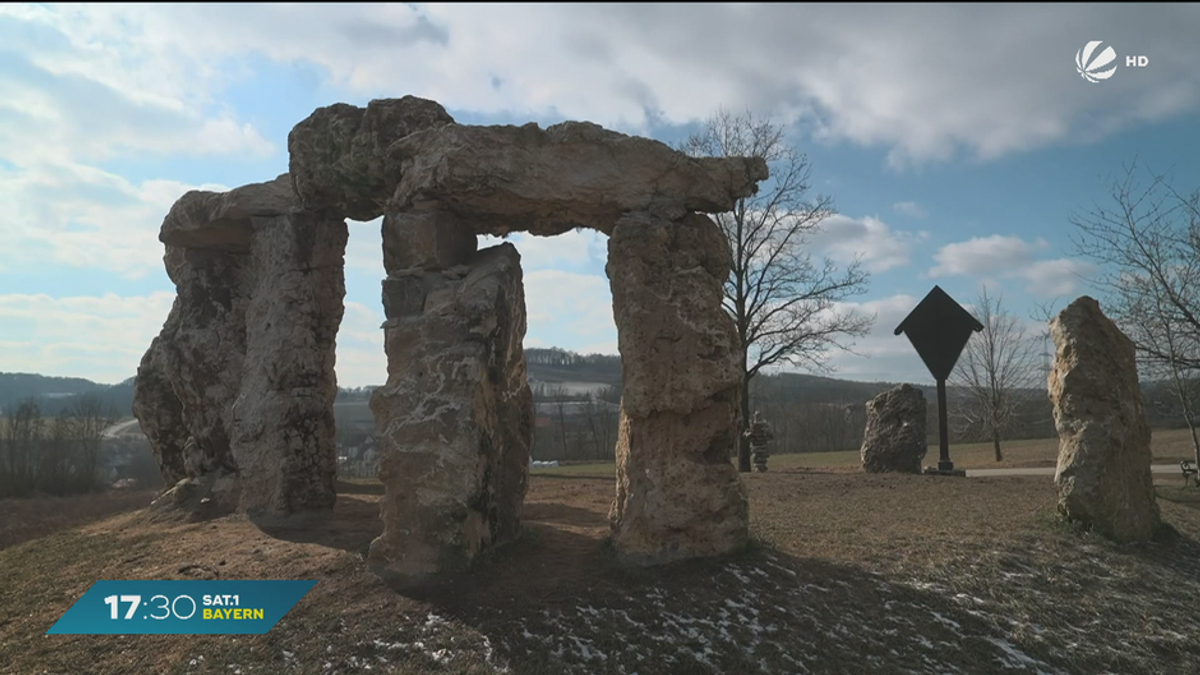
<point>284,438</point>
<point>549,181</point>
<point>678,494</point>
<point>202,219</point>
<point>454,423</point>
<point>160,414</point>
<point>426,238</point>
<point>894,438</point>
<point>337,155</point>
<point>1103,475</point>
<point>199,353</point>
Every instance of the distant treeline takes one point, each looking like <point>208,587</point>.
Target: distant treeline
<point>65,453</point>
<point>555,356</point>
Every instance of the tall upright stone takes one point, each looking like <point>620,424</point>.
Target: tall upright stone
<point>242,372</point>
<point>160,414</point>
<point>284,439</point>
<point>1103,474</point>
<point>197,357</point>
<point>455,419</point>
<point>678,494</point>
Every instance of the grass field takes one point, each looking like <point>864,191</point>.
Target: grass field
<point>1169,446</point>
<point>849,573</point>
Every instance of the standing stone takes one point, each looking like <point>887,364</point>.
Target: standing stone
<point>284,439</point>
<point>454,421</point>
<point>1103,475</point>
<point>894,438</point>
<point>199,353</point>
<point>678,494</point>
<point>160,414</point>
<point>759,434</point>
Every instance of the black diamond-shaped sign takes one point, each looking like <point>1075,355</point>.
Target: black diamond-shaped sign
<point>938,327</point>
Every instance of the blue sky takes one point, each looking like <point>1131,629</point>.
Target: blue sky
<point>955,141</point>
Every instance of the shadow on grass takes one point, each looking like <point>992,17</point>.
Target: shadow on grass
<point>351,527</point>
<point>556,600</point>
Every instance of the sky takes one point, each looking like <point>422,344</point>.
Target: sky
<point>956,141</point>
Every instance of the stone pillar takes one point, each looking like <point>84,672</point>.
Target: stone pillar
<point>678,494</point>
<point>198,356</point>
<point>160,414</point>
<point>284,436</point>
<point>1103,474</point>
<point>455,420</point>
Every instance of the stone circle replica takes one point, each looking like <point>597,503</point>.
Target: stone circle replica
<point>236,393</point>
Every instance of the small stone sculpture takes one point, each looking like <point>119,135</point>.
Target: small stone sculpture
<point>759,434</point>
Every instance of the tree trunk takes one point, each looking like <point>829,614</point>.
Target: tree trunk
<point>996,445</point>
<point>743,442</point>
<point>1195,441</point>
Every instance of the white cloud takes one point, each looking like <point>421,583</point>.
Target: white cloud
<point>880,355</point>
<point>97,337</point>
<point>989,259</point>
<point>910,209</point>
<point>880,247</point>
<point>74,215</point>
<point>360,356</point>
<point>866,79</point>
<point>984,255</point>
<point>569,250</point>
<point>568,309</point>
<point>1052,278</point>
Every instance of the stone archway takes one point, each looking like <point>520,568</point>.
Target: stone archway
<point>236,393</point>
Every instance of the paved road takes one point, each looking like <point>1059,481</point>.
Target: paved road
<point>1049,471</point>
<point>117,429</point>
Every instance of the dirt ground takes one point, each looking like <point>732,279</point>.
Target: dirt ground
<point>849,573</point>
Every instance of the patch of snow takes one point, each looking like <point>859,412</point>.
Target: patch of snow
<point>1017,659</point>
<point>947,621</point>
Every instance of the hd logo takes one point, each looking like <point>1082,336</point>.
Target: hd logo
<point>1096,67</point>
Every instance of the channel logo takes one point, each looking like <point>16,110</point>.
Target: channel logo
<point>1095,67</point>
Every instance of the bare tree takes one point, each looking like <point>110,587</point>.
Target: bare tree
<point>601,425</point>
<point>21,431</point>
<point>996,368</point>
<point>1147,243</point>
<point>783,302</point>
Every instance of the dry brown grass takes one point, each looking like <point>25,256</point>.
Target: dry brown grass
<point>850,574</point>
<point>24,519</point>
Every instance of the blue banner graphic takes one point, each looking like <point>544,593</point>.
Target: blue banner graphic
<point>181,607</point>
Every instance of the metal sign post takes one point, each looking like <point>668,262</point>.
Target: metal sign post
<point>938,327</point>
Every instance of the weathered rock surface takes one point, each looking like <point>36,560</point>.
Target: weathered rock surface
<point>427,238</point>
<point>203,344</point>
<point>894,438</point>
<point>236,393</point>
<point>202,219</point>
<point>454,423</point>
<point>338,158</point>
<point>1103,475</point>
<point>283,427</point>
<point>573,174</point>
<point>678,494</point>
<point>239,384</point>
<point>160,414</point>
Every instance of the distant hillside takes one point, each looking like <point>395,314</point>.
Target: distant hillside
<point>56,394</point>
<point>556,365</point>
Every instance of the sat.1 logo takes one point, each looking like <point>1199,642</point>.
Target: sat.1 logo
<point>1097,67</point>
